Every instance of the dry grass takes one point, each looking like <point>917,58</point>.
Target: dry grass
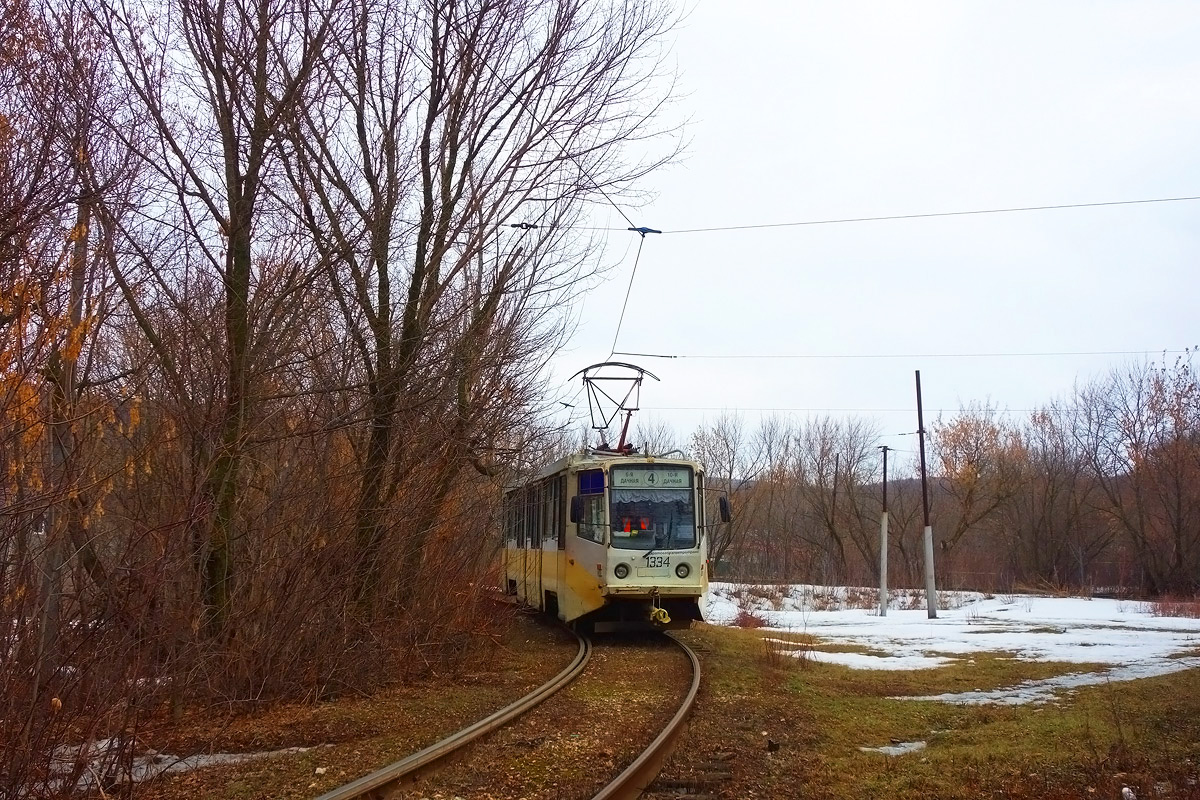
<point>1173,606</point>
<point>748,619</point>
<point>351,736</point>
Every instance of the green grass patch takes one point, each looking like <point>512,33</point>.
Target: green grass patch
<point>1143,734</point>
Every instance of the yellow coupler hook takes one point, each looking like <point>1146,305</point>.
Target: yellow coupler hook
<point>658,614</point>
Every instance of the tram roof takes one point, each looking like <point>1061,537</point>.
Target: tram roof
<point>591,459</point>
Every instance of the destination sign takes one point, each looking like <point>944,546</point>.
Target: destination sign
<point>658,478</point>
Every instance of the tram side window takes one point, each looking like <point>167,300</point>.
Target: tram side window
<point>549,500</point>
<point>531,520</point>
<point>560,511</point>
<point>510,519</point>
<point>516,503</point>
<point>523,519</point>
<point>540,517</point>
<point>591,489</point>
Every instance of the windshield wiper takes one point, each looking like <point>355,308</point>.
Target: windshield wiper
<point>666,542</point>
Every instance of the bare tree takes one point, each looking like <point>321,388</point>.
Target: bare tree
<point>60,165</point>
<point>1139,428</point>
<point>732,461</point>
<point>776,513</point>
<point>219,88</point>
<point>656,436</point>
<point>977,457</point>
<point>835,461</point>
<point>1050,521</point>
<point>439,178</point>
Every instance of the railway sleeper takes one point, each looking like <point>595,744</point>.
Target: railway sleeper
<point>699,785</point>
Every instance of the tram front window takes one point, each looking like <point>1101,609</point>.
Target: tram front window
<point>653,519</point>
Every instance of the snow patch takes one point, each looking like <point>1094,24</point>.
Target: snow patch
<point>1123,635</point>
<point>102,755</point>
<point>895,749</point>
<point>1045,691</point>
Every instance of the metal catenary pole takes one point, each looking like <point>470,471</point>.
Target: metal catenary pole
<point>930,584</point>
<point>883,539</point>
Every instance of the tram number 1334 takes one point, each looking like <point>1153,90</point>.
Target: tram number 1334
<point>658,561</point>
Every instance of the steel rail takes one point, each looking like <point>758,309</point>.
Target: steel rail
<point>630,784</point>
<point>382,782</point>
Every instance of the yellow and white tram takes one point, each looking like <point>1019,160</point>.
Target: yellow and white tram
<point>609,540</point>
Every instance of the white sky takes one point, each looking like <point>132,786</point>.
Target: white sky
<point>814,110</point>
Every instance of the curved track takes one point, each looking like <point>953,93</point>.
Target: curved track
<point>383,782</point>
<point>627,786</point>
<point>645,768</point>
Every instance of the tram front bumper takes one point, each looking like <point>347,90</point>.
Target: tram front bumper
<point>646,592</point>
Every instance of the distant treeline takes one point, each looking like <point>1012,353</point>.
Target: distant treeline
<point>1098,491</point>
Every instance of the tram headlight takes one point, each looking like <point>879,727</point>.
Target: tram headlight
<point>621,571</point>
<point>683,570</point>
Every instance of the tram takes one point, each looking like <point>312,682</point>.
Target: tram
<point>610,540</point>
<point>607,538</point>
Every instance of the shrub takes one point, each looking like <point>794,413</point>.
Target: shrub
<point>826,599</point>
<point>1173,606</point>
<point>861,597</point>
<point>748,619</point>
<point>782,655</point>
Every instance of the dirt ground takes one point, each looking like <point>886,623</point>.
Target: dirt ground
<point>765,726</point>
<point>351,737</point>
<point>579,739</point>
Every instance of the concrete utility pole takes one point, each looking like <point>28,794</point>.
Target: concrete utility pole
<point>930,584</point>
<point>883,525</point>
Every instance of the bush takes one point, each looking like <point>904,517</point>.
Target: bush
<point>748,619</point>
<point>1173,606</point>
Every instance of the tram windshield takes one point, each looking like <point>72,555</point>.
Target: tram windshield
<point>653,507</point>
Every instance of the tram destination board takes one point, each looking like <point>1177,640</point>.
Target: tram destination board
<point>651,477</point>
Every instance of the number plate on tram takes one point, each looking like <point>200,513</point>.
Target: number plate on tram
<point>658,561</point>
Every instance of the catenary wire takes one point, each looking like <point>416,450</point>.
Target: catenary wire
<point>562,148</point>
<point>835,356</point>
<point>633,274</point>
<point>929,215</point>
<point>737,409</point>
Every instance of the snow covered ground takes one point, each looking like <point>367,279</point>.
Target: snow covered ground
<point>101,757</point>
<point>1119,633</point>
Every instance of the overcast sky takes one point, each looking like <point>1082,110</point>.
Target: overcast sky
<point>803,111</point>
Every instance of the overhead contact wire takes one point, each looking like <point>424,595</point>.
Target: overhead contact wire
<point>629,289</point>
<point>834,356</point>
<point>930,215</point>
<point>935,214</point>
<point>508,86</point>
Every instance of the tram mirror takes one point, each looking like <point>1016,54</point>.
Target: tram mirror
<point>726,511</point>
<point>576,508</point>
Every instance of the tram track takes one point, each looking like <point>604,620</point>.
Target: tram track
<point>387,781</point>
<point>639,775</point>
<point>392,780</point>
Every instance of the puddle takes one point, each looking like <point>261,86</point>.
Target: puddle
<point>898,749</point>
<point>1046,691</point>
